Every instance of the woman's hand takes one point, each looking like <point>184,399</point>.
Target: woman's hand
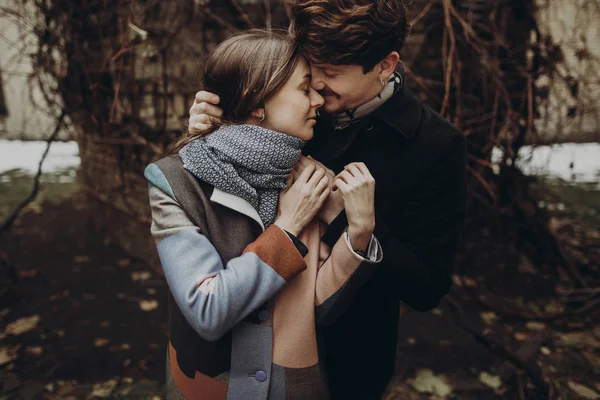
<point>204,113</point>
<point>302,199</point>
<point>358,190</point>
<point>334,204</point>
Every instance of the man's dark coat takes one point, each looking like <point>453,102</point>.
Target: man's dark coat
<point>418,160</point>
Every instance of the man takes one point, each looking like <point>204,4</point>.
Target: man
<point>418,161</point>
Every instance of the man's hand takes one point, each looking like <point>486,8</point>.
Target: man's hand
<point>335,203</point>
<point>204,113</point>
<point>358,191</point>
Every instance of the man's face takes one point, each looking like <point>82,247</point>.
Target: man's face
<point>344,87</point>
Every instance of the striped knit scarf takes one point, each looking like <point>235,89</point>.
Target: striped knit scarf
<point>395,82</point>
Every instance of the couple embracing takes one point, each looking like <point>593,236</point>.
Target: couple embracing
<point>311,194</point>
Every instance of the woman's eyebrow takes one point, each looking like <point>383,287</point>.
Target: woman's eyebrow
<point>305,78</point>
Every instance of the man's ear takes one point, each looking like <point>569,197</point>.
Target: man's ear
<point>388,65</point>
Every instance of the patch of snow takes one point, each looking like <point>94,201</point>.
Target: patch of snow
<point>26,155</point>
<point>570,161</point>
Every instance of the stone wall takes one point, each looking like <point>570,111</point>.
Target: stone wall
<point>25,116</point>
<point>569,103</point>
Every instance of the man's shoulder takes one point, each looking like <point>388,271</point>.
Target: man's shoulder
<point>439,130</point>
<point>419,123</point>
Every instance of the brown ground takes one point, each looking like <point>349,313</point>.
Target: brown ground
<point>93,338</point>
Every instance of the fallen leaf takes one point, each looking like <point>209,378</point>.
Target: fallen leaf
<point>22,325</point>
<point>583,391</point>
<point>457,281</point>
<point>148,305</point>
<point>104,389</point>
<point>545,351</point>
<point>30,273</point>
<point>7,355</point>
<point>492,381</point>
<point>124,262</point>
<point>521,336</point>
<point>535,326</point>
<point>426,382</point>
<point>34,350</point>
<point>119,347</point>
<point>488,317</point>
<point>411,340</point>
<point>101,342</point>
<point>579,339</point>
<point>526,266</point>
<point>81,259</point>
<point>436,311</point>
<point>554,307</point>
<point>469,282</point>
<point>140,275</point>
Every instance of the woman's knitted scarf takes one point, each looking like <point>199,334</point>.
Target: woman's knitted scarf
<point>247,161</point>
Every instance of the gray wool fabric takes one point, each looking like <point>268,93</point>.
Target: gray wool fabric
<point>247,161</point>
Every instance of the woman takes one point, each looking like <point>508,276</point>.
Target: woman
<point>242,297</point>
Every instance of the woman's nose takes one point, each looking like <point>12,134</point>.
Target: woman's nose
<point>317,99</point>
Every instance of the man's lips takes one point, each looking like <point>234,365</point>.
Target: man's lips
<point>327,93</point>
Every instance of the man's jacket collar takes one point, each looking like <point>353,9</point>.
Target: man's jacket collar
<point>401,112</point>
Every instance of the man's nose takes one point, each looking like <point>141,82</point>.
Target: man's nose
<point>317,83</point>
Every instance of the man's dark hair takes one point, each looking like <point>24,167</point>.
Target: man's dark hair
<point>349,32</point>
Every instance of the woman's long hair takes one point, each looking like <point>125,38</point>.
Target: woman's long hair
<point>245,71</point>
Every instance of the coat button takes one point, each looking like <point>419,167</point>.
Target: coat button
<point>261,376</point>
<point>263,315</point>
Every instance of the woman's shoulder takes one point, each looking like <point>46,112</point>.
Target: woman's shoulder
<point>169,175</point>
<point>159,173</point>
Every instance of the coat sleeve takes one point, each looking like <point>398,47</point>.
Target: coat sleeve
<point>341,273</point>
<point>214,296</point>
<point>419,241</point>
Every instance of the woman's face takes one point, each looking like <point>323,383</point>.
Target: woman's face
<point>293,109</point>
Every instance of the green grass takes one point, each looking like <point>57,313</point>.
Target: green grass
<point>581,200</point>
<point>16,185</point>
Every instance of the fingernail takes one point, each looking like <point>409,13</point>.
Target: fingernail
<point>215,99</point>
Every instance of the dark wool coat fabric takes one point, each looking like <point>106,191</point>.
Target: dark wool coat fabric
<point>418,160</point>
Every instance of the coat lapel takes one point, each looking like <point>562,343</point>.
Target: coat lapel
<point>236,203</point>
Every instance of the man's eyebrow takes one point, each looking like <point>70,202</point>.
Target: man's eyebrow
<point>331,69</point>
